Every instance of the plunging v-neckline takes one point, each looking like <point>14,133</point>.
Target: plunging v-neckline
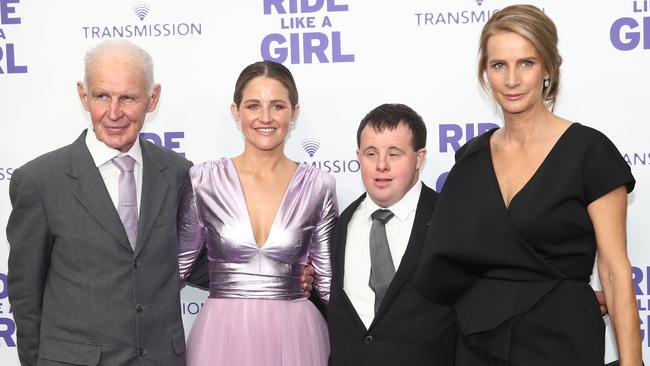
<point>532,178</point>
<point>240,187</point>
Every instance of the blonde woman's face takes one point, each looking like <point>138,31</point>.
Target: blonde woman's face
<point>515,72</point>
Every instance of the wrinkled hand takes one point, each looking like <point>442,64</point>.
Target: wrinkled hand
<point>601,301</point>
<point>307,279</point>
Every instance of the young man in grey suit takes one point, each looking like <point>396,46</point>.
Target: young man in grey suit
<point>375,315</point>
<point>93,275</point>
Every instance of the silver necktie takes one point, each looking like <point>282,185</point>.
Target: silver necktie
<point>382,269</point>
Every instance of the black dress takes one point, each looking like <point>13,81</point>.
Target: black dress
<point>518,276</point>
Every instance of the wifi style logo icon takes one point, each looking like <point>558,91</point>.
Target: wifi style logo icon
<point>141,11</point>
<point>310,146</point>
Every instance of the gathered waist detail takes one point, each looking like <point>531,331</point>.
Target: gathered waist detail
<point>262,279</point>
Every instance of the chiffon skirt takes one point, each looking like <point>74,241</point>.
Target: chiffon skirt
<point>256,332</point>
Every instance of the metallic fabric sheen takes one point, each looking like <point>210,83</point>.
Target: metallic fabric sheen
<point>213,216</point>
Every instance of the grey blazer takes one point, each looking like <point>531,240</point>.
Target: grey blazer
<point>80,295</point>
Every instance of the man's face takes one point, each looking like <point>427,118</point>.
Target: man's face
<point>117,99</point>
<point>389,165</point>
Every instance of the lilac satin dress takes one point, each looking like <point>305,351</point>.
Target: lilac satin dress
<point>257,313</point>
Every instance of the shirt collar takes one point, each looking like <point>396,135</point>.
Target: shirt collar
<point>102,154</point>
<point>401,209</point>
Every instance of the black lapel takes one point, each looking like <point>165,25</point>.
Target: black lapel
<point>411,256</point>
<point>338,259</point>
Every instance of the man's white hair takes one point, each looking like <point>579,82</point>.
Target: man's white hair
<point>137,54</point>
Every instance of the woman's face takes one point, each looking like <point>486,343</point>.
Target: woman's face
<point>515,72</point>
<point>265,113</point>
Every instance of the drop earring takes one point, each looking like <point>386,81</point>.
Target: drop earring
<point>546,83</point>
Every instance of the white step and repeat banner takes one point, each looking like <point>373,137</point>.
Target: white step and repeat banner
<point>348,56</point>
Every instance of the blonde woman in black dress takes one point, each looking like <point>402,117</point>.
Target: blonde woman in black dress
<point>537,199</point>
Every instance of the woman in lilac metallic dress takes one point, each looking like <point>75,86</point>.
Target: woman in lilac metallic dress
<point>261,217</point>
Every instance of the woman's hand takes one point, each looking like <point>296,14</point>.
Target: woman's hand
<point>307,279</point>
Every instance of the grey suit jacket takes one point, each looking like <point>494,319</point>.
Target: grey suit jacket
<point>79,293</point>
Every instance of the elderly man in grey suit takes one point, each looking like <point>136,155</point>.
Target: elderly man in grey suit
<point>93,276</point>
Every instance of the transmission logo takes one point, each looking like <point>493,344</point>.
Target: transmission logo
<point>143,29</point>
<point>329,164</point>
<point>5,173</point>
<point>459,15</point>
<point>310,146</point>
<point>637,158</point>
<point>141,10</point>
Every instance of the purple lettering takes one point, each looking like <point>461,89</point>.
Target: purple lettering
<point>151,137</point>
<point>306,8</point>
<point>277,4</point>
<point>297,22</point>
<point>445,138</point>
<point>639,7</point>
<point>615,34</point>
<point>7,330</point>
<point>5,10</point>
<point>452,135</point>
<point>441,181</point>
<point>484,127</point>
<point>646,33</point>
<point>12,68</point>
<point>337,56</point>
<point>637,279</point>
<point>314,49</point>
<point>331,6</point>
<point>295,48</point>
<point>171,140</point>
<point>5,285</point>
<point>314,45</point>
<point>279,53</point>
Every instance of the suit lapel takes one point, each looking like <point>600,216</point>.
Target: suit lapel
<point>92,193</point>
<point>154,190</point>
<point>339,258</point>
<point>421,224</point>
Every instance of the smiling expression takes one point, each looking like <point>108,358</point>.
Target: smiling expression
<point>117,99</point>
<point>265,113</point>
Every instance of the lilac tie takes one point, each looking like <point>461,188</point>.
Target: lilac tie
<point>127,207</point>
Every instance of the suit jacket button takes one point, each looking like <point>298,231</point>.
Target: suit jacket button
<point>136,264</point>
<point>142,352</point>
<point>139,308</point>
<point>368,339</point>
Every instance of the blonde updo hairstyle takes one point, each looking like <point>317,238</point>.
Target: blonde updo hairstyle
<point>531,23</point>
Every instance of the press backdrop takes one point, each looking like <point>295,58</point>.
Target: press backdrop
<point>347,56</point>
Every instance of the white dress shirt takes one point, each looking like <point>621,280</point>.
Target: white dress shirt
<point>102,156</point>
<point>357,248</point>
